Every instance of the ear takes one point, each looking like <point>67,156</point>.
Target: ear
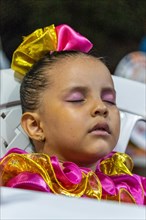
<point>31,124</point>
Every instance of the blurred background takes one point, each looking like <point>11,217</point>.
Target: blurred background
<point>117,28</point>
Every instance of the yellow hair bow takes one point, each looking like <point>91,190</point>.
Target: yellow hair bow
<point>33,47</point>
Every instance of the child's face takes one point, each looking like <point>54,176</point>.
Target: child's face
<point>78,114</point>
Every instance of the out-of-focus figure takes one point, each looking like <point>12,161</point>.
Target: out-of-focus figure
<point>133,66</point>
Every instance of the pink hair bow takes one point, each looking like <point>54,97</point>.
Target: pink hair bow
<point>68,39</point>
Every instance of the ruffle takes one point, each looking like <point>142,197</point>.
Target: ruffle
<point>112,179</point>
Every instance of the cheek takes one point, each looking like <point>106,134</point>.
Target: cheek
<point>118,128</point>
<point>64,121</point>
<point>71,116</point>
<point>116,121</point>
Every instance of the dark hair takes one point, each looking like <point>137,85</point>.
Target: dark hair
<point>35,81</point>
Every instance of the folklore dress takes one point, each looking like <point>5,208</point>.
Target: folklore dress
<point>112,179</point>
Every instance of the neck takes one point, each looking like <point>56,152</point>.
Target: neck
<point>89,166</point>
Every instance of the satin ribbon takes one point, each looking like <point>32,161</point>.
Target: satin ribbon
<point>45,40</point>
<point>119,163</point>
<point>38,171</point>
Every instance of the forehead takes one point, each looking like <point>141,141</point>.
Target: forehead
<point>80,70</point>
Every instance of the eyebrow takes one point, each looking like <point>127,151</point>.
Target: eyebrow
<point>82,89</point>
<point>85,90</point>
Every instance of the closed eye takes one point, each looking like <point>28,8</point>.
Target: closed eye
<point>77,100</point>
<point>109,97</point>
<point>109,102</point>
<point>76,97</point>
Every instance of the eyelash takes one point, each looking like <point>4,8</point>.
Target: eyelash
<point>109,102</point>
<point>76,101</point>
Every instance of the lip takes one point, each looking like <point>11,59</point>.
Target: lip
<point>100,129</point>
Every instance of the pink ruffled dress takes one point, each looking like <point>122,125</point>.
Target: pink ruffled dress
<point>112,179</point>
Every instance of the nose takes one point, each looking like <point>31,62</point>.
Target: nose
<point>99,108</point>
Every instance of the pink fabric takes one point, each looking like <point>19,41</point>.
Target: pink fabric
<point>27,180</point>
<point>68,39</point>
<point>112,184</point>
<point>71,174</point>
